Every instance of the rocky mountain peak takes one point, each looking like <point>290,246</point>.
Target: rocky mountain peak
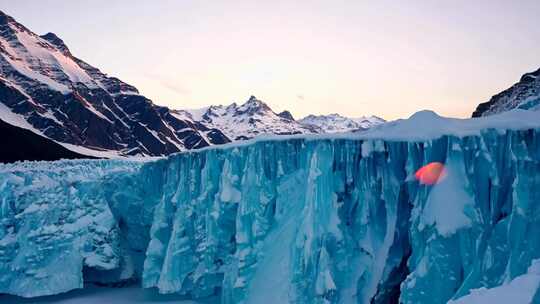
<point>287,115</point>
<point>530,77</point>
<point>56,41</point>
<point>254,101</point>
<point>524,94</point>
<point>5,19</point>
<point>252,106</point>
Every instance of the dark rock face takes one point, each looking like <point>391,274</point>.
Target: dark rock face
<point>27,145</point>
<point>523,95</point>
<point>286,114</point>
<point>70,101</point>
<point>252,107</point>
<point>56,41</point>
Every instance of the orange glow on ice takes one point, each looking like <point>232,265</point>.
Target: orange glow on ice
<point>431,173</point>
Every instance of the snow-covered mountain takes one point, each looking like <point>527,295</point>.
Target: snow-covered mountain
<point>248,120</point>
<point>45,89</point>
<point>335,123</point>
<point>523,95</point>
<point>254,118</point>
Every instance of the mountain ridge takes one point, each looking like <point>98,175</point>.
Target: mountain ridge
<point>254,118</point>
<point>250,119</point>
<point>336,123</point>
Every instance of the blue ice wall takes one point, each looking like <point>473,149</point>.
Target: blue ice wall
<point>287,221</point>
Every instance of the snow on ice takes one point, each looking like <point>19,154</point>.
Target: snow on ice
<point>312,219</point>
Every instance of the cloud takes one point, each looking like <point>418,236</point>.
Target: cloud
<point>169,83</point>
<point>175,87</point>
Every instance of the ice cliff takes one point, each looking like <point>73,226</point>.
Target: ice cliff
<point>295,220</point>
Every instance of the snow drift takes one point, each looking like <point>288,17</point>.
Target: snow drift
<point>296,220</point>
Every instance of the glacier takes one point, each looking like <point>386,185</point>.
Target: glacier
<point>298,219</point>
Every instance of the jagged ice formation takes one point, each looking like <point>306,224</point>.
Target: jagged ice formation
<point>296,220</point>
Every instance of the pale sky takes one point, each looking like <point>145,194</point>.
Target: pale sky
<point>386,58</point>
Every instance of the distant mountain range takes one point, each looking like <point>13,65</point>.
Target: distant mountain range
<point>525,94</point>
<point>255,118</point>
<point>248,120</point>
<point>334,123</point>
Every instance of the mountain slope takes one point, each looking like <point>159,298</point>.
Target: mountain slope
<point>335,123</point>
<point>26,145</point>
<point>524,95</point>
<point>69,101</point>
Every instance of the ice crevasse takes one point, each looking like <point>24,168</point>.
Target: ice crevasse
<point>296,220</point>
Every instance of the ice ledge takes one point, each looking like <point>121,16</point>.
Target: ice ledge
<point>421,126</point>
<point>426,125</point>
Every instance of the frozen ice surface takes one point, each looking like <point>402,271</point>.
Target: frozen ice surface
<point>106,295</point>
<point>297,220</point>
<point>520,290</point>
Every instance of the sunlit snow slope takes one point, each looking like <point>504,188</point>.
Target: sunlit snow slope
<point>296,220</point>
